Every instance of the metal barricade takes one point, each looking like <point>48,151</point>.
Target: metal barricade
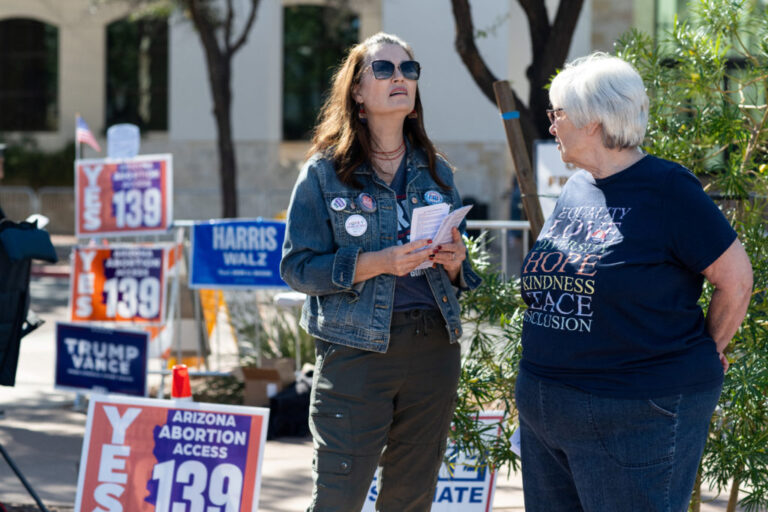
<point>58,204</point>
<point>18,202</point>
<point>504,227</point>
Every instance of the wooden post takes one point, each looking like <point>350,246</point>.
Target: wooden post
<point>523,168</point>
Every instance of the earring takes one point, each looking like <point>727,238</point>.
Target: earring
<point>413,114</point>
<point>362,115</point>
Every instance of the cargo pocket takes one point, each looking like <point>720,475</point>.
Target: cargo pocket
<point>331,427</point>
<point>332,463</point>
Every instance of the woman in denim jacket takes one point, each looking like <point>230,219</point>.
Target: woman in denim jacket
<point>387,352</point>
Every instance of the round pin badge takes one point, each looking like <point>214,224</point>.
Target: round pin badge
<point>366,203</point>
<point>338,204</point>
<point>356,225</point>
<point>433,197</point>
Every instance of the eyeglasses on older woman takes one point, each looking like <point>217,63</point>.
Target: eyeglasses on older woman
<point>554,113</point>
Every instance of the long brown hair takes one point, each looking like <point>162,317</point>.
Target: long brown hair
<point>339,133</point>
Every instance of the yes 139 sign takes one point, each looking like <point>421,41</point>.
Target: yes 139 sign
<point>145,455</point>
<point>123,197</point>
<point>118,284</point>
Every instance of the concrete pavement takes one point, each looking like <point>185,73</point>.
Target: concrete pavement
<point>43,432</point>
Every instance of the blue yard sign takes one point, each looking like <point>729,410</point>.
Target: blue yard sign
<point>236,254</point>
<point>104,360</point>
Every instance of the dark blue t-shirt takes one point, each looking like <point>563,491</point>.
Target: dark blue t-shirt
<point>411,292</point>
<point>613,281</point>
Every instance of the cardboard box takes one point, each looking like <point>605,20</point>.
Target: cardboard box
<point>260,385</point>
<point>285,366</point>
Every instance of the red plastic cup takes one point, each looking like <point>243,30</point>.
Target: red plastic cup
<point>181,389</point>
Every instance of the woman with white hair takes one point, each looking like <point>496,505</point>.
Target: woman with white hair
<point>621,370</point>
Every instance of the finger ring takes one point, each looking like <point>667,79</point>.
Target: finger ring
<point>453,256</point>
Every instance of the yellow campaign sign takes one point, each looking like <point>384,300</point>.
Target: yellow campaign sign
<point>211,301</point>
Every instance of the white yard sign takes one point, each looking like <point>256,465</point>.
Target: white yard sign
<point>462,488</point>
<point>551,174</point>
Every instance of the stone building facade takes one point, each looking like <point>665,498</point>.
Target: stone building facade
<point>460,120</point>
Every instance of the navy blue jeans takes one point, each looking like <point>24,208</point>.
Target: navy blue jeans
<point>582,452</point>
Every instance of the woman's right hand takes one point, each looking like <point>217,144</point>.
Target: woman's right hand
<point>402,259</point>
<point>397,260</point>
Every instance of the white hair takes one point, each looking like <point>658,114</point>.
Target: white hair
<point>607,90</point>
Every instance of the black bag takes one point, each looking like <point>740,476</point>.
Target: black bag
<point>289,410</point>
<point>24,241</point>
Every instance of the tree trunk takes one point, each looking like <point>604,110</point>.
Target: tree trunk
<point>531,129</point>
<point>227,160</point>
<point>523,168</point>
<point>696,500</point>
<point>550,44</point>
<point>219,63</point>
<point>733,499</point>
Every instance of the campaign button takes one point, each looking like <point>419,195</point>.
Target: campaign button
<point>338,204</point>
<point>356,225</point>
<point>366,202</point>
<point>433,197</point>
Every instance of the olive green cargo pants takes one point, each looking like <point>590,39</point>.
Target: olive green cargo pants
<point>392,409</point>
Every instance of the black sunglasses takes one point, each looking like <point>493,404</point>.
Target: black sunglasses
<point>383,69</point>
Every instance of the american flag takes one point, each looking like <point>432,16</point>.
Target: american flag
<point>83,134</point>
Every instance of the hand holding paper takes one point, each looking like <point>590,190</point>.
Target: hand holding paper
<point>436,223</point>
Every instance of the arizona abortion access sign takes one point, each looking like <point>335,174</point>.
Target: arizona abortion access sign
<point>119,283</point>
<point>144,455</point>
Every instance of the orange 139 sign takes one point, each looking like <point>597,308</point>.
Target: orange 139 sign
<point>118,283</point>
<point>130,196</point>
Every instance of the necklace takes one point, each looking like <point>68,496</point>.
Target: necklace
<point>390,158</point>
<point>392,164</point>
<point>390,155</point>
<point>387,175</point>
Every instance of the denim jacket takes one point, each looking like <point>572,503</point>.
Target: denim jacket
<point>320,255</point>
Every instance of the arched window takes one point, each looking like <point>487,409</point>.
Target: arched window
<point>315,39</point>
<point>137,73</point>
<point>29,75</point>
